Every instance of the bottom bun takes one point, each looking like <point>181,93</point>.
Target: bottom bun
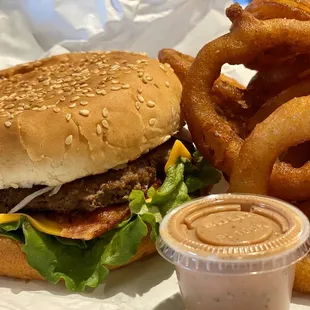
<point>13,261</point>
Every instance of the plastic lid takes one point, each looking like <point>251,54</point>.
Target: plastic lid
<point>236,233</point>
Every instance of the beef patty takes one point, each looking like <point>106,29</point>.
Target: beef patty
<point>97,191</point>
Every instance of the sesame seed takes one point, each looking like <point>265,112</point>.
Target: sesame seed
<point>20,109</point>
<point>115,88</point>
<point>140,74</point>
<point>99,129</point>
<point>115,67</point>
<point>90,95</point>
<point>103,92</point>
<point>57,86</point>
<point>140,98</point>
<point>105,112</point>
<point>138,105</point>
<point>56,109</point>
<point>84,103</point>
<point>115,81</point>
<point>139,90</point>
<point>27,107</point>
<point>41,78</point>
<point>166,138</point>
<point>10,106</point>
<point>144,80</point>
<point>152,121</point>
<point>161,66</point>
<point>68,117</point>
<point>125,86</point>
<point>150,104</point>
<point>167,65</point>
<point>84,112</point>
<point>83,85</point>
<point>75,98</point>
<point>98,91</point>
<point>149,78</point>
<point>14,185</point>
<point>167,84</point>
<point>7,124</point>
<point>68,140</point>
<point>73,105</point>
<point>105,124</point>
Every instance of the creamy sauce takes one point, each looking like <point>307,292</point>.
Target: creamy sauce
<point>230,251</point>
<point>266,291</point>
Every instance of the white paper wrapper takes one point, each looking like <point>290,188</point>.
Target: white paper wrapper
<point>32,29</point>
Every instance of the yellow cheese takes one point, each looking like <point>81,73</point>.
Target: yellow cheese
<point>178,150</point>
<point>38,221</point>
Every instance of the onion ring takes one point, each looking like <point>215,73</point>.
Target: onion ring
<point>178,61</point>
<point>297,90</point>
<point>228,93</point>
<point>212,134</point>
<point>277,9</point>
<point>267,84</point>
<point>252,171</point>
<point>297,155</point>
<point>270,9</point>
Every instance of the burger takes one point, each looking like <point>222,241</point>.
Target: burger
<point>89,164</point>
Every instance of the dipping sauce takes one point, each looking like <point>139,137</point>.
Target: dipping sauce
<point>235,251</point>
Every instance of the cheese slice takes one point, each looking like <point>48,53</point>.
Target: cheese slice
<point>178,150</point>
<point>38,221</point>
<point>41,223</point>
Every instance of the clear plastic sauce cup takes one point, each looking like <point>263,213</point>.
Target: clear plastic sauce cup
<point>235,251</point>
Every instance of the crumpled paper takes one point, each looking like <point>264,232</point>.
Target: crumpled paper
<point>31,29</point>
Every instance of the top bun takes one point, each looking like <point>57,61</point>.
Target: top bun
<point>74,115</point>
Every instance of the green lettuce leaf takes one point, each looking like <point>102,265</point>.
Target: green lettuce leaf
<point>149,213</point>
<point>55,260</point>
<point>82,264</point>
<point>79,263</point>
<point>12,231</point>
<point>199,173</point>
<point>124,244</point>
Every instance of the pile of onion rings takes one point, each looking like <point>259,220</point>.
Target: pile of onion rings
<point>258,135</point>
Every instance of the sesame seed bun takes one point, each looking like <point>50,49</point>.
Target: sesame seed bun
<point>13,261</point>
<point>74,115</point>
